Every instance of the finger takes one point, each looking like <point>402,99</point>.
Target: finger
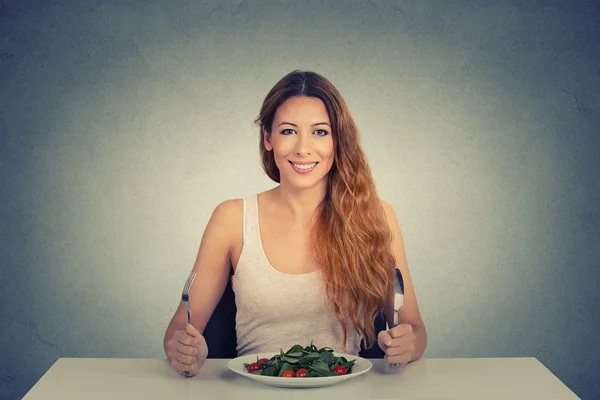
<point>384,339</point>
<point>402,341</point>
<point>186,339</point>
<point>180,336</point>
<point>191,330</point>
<point>402,359</point>
<point>194,346</point>
<point>400,330</point>
<point>179,366</point>
<point>184,359</point>
<point>182,368</point>
<point>188,350</point>
<point>399,350</point>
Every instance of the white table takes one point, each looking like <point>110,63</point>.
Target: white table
<point>426,379</point>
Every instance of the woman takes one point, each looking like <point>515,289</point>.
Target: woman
<point>313,258</point>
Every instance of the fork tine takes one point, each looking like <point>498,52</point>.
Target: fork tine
<point>188,283</point>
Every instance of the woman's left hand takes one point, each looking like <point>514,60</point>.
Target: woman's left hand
<point>398,344</point>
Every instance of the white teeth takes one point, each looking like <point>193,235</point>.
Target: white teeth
<point>305,166</point>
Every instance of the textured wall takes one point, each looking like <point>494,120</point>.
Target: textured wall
<point>124,123</point>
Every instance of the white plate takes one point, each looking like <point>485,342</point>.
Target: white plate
<point>361,366</point>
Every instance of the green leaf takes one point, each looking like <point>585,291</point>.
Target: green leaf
<point>324,371</point>
<point>327,357</point>
<point>322,368</point>
<point>284,367</point>
<point>257,372</point>
<point>349,366</point>
<point>325,349</point>
<point>319,365</point>
<point>269,363</point>
<point>296,349</point>
<point>291,360</point>
<point>310,357</point>
<point>269,371</point>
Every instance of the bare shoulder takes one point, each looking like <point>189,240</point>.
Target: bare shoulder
<point>227,217</point>
<point>229,208</point>
<point>390,215</point>
<point>387,207</point>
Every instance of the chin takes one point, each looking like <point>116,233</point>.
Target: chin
<point>304,182</point>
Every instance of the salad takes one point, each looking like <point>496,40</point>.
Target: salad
<point>302,362</point>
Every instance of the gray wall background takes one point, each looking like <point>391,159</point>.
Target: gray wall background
<point>124,123</point>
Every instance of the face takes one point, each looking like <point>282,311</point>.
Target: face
<point>302,142</point>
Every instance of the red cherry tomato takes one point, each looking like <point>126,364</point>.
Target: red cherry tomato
<point>340,370</point>
<point>301,373</point>
<point>254,367</point>
<point>262,360</point>
<point>288,373</point>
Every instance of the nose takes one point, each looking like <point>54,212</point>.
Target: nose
<point>303,145</point>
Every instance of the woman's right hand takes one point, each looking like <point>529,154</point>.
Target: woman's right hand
<point>187,350</point>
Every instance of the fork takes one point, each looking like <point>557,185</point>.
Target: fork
<point>185,297</point>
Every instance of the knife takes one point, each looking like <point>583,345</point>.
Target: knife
<point>398,300</point>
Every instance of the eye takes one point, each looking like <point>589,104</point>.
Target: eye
<point>321,132</point>
<point>287,132</point>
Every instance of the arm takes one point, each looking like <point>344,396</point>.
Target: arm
<point>409,312</point>
<point>212,268</point>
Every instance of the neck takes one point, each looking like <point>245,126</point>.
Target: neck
<point>301,203</point>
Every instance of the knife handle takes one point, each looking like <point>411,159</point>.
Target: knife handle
<point>395,365</point>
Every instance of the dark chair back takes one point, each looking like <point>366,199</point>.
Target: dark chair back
<point>220,330</point>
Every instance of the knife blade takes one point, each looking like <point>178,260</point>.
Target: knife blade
<point>398,300</point>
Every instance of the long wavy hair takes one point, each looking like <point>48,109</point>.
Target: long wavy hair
<point>351,237</point>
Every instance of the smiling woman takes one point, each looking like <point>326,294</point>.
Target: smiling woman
<point>303,146</point>
<point>322,242</point>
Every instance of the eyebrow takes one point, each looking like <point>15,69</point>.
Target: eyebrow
<point>318,123</point>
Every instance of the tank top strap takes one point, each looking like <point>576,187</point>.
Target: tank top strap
<point>251,232</point>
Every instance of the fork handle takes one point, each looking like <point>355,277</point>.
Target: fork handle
<point>188,373</point>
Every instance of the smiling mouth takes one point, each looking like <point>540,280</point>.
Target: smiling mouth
<point>304,167</point>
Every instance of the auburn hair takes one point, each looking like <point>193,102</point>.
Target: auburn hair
<point>351,236</point>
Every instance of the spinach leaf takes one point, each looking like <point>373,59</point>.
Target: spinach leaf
<point>327,357</point>
<point>269,371</point>
<point>295,349</point>
<point>285,367</point>
<point>322,368</point>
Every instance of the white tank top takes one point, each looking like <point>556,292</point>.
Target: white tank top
<point>276,310</point>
